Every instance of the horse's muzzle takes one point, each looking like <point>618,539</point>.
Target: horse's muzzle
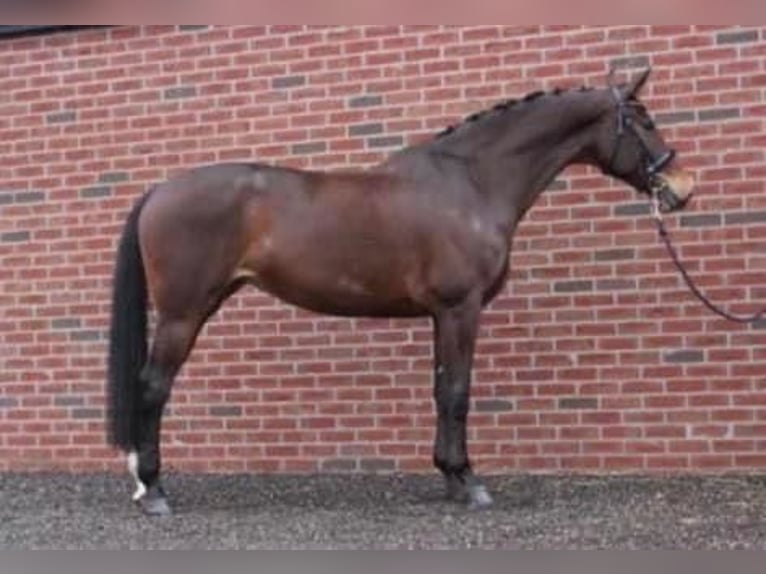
<point>673,189</point>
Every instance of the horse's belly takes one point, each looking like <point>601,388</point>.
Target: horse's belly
<point>340,294</point>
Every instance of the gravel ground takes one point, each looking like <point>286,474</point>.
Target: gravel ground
<point>347,512</point>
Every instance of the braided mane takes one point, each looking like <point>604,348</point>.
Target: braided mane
<point>503,107</point>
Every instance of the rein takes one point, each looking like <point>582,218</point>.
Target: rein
<point>665,237</point>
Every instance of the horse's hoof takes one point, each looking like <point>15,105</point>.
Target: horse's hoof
<point>155,507</point>
<point>154,503</point>
<point>479,498</point>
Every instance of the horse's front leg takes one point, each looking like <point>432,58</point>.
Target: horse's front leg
<point>455,330</point>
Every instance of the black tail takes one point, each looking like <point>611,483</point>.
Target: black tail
<point>127,337</point>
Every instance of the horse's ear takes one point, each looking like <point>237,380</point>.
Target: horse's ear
<point>637,83</point>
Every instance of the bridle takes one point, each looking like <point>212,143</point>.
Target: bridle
<point>653,164</point>
<point>660,191</point>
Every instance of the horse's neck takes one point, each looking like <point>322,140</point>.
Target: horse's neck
<point>537,171</point>
<point>523,159</point>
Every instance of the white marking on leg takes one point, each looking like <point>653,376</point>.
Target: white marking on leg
<point>133,469</point>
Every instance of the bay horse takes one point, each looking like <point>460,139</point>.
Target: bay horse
<point>427,233</point>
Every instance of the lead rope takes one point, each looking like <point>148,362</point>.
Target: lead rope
<point>657,214</point>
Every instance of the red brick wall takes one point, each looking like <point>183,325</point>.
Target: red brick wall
<point>594,358</point>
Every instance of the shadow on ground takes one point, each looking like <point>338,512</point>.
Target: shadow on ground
<point>62,511</point>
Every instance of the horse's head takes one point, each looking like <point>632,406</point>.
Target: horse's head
<point>631,148</point>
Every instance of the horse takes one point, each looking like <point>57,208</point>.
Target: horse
<point>425,233</point>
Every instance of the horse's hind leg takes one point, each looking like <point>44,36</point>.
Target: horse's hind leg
<point>173,340</point>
